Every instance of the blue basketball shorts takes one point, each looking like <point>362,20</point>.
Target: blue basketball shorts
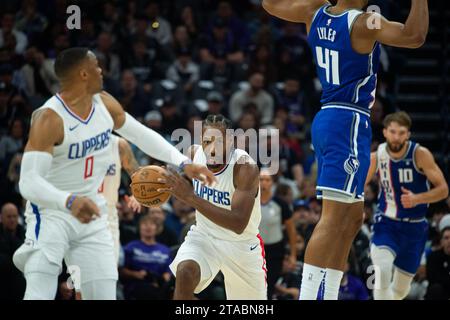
<point>341,140</point>
<point>406,240</point>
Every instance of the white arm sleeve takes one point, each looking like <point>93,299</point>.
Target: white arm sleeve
<point>33,186</point>
<point>149,141</point>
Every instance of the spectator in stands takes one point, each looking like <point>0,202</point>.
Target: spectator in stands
<point>142,61</point>
<point>219,71</point>
<point>163,235</point>
<point>153,120</point>
<point>275,216</point>
<point>184,71</point>
<point>305,220</point>
<point>176,220</point>
<point>29,20</point>
<point>181,38</point>
<point>188,20</point>
<point>111,61</point>
<point>7,28</point>
<point>294,99</point>
<point>438,266</point>
<point>158,27</point>
<point>132,96</point>
<point>39,76</point>
<point>352,288</point>
<point>284,192</point>
<point>256,94</point>
<point>12,142</point>
<point>261,60</point>
<point>12,236</point>
<point>287,286</point>
<point>220,39</point>
<point>128,222</point>
<point>171,120</point>
<point>110,20</point>
<point>237,28</point>
<point>215,104</point>
<point>87,36</point>
<point>293,44</point>
<point>146,272</point>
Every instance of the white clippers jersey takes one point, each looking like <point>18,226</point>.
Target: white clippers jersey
<point>111,182</point>
<point>221,195</point>
<point>81,161</point>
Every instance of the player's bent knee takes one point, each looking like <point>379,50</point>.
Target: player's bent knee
<point>188,273</point>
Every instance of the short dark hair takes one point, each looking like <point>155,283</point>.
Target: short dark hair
<point>68,59</point>
<point>217,120</point>
<point>401,117</point>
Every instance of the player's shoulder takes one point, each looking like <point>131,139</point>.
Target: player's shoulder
<point>46,117</point>
<point>423,154</point>
<point>245,168</point>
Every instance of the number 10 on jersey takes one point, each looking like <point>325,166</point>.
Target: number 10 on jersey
<point>329,60</point>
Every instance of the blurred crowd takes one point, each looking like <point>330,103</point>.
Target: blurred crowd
<point>170,63</point>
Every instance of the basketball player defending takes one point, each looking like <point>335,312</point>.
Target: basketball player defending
<point>400,231</point>
<point>122,157</point>
<point>65,160</point>
<point>345,42</point>
<point>225,237</point>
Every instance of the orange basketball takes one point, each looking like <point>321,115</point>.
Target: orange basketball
<point>144,186</point>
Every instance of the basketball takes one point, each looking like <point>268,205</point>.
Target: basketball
<point>144,186</point>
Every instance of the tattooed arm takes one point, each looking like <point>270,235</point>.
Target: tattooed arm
<point>130,165</point>
<point>127,158</point>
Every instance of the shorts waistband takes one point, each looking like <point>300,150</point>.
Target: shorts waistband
<point>410,220</point>
<point>347,107</point>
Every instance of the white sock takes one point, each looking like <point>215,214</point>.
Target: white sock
<point>332,283</point>
<point>311,278</point>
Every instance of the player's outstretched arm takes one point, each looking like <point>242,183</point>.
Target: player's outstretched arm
<point>151,142</point>
<point>47,130</point>
<point>246,179</point>
<point>425,162</point>
<point>300,11</point>
<point>411,34</point>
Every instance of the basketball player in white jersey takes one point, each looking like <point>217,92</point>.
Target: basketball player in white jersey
<point>64,163</point>
<point>225,237</point>
<point>122,157</point>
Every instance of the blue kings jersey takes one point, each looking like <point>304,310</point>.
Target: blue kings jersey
<point>394,174</point>
<point>348,78</point>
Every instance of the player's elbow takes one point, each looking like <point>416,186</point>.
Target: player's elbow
<point>444,191</point>
<point>416,41</point>
<point>24,187</point>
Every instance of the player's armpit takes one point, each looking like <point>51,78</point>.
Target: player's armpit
<point>299,11</point>
<point>246,180</point>
<point>114,108</point>
<point>47,130</point>
<point>426,163</point>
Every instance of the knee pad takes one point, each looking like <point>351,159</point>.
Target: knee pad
<point>401,285</point>
<point>383,261</point>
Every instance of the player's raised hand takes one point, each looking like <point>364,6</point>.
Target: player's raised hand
<point>133,204</point>
<point>84,209</point>
<point>408,199</point>
<point>199,172</point>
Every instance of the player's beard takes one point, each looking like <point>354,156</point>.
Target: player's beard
<point>395,147</point>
